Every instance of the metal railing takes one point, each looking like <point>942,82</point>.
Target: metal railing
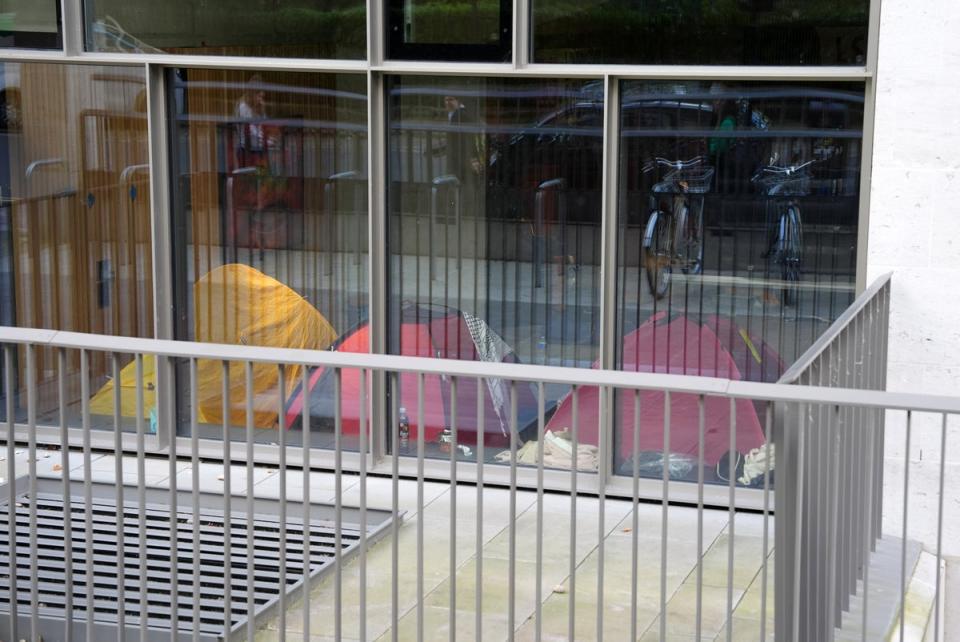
<point>831,495</point>
<point>846,423</point>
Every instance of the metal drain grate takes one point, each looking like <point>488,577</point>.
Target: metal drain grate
<point>52,576</point>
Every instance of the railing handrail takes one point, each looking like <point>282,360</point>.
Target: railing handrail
<point>675,383</point>
<point>827,338</point>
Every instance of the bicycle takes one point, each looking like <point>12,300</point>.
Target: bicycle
<point>782,185</point>
<point>673,236</point>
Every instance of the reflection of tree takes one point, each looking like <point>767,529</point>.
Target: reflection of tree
<point>328,29</point>
<point>695,31</point>
<point>457,22</point>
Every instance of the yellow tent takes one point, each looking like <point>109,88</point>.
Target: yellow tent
<point>236,304</point>
<point>102,402</point>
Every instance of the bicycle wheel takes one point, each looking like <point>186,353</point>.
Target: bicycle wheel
<point>657,254</point>
<point>787,254</point>
<point>692,245</point>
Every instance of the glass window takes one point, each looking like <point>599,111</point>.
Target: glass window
<point>737,248</point>
<point>280,28</point>
<point>270,233</point>
<point>477,31</point>
<point>30,24</point>
<point>691,32</point>
<point>75,223</point>
<point>494,238</point>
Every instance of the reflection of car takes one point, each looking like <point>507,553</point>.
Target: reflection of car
<point>568,144</point>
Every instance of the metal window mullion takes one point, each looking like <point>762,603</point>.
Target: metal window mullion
<point>866,173</point>
<point>608,269</point>
<point>634,72</point>
<point>72,26</point>
<point>377,253</point>
<point>522,32</point>
<point>873,36</point>
<point>162,257</point>
<point>376,34</point>
<point>638,72</point>
<point>160,201</point>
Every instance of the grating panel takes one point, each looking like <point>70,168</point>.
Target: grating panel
<point>154,597</point>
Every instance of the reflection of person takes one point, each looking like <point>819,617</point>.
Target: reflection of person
<point>458,147</point>
<point>464,153</point>
<point>253,137</point>
<point>259,185</point>
<point>735,157</point>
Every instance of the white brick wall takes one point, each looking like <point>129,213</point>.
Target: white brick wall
<point>915,232</point>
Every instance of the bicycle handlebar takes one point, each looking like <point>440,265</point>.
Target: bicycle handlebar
<point>678,164</point>
<point>787,169</point>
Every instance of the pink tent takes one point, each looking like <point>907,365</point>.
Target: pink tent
<point>426,331</point>
<point>679,346</point>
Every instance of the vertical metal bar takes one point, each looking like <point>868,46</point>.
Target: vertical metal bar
<point>603,440</point>
<point>538,631</point>
<point>251,544</point>
<point>635,526</point>
<point>363,504</point>
<point>31,359</point>
<point>609,224</point>
<point>701,426</point>
<point>768,433</point>
<point>664,517</point>
<point>227,509</point>
<point>89,572</point>
<point>869,455</point>
<point>141,501</point>
<point>338,502</point>
<point>195,494</point>
<point>481,464</point>
<point>835,534</point>
<point>421,428</point>
<point>572,583</point>
<point>307,526</point>
<point>160,226</point>
<point>453,509</point>
<point>8,353</point>
<point>943,463</point>
<point>798,523</point>
<point>512,572</point>
<point>118,477</point>
<point>72,27</point>
<point>903,543</point>
<point>67,499</point>
<point>521,33</point>
<point>282,439</point>
<point>395,539</point>
<point>174,525</point>
<point>733,516</point>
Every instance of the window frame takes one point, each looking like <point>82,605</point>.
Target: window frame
<point>398,49</point>
<point>377,68</point>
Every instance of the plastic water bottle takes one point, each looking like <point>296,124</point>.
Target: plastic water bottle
<point>404,428</point>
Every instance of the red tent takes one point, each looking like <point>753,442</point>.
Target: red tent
<point>677,346</point>
<point>427,331</point>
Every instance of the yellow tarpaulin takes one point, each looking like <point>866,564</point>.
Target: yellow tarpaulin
<point>238,305</point>
<point>102,402</point>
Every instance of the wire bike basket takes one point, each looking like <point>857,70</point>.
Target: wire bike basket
<point>780,183</point>
<point>689,180</point>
